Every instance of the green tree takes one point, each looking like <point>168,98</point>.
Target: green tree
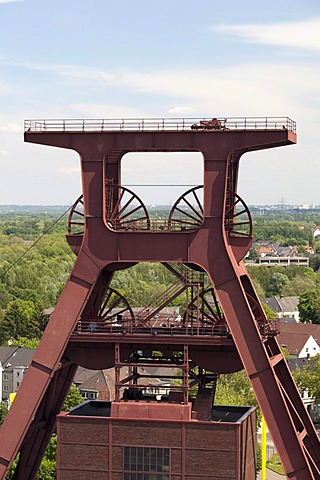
<point>307,378</point>
<point>309,306</point>
<point>48,467</point>
<point>47,470</point>
<point>51,450</point>
<point>73,399</point>
<point>259,458</point>
<point>253,254</point>
<point>271,315</point>
<point>314,262</point>
<point>12,468</point>
<point>21,319</point>
<point>3,412</point>
<point>5,296</point>
<point>235,389</point>
<point>25,342</point>
<point>297,285</point>
<point>276,284</point>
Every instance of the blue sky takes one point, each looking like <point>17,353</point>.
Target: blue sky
<point>174,58</point>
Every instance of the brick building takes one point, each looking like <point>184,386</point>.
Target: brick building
<point>139,440</point>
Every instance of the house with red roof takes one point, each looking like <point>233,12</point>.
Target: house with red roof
<point>301,340</point>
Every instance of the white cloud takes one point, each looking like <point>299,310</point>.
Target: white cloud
<point>78,72</point>
<point>181,110</point>
<point>94,110</point>
<point>10,1</point>
<point>290,88</point>
<point>251,89</point>
<point>304,34</point>
<point>68,170</point>
<point>11,128</point>
<point>244,89</point>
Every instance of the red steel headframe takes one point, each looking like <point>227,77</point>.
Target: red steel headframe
<point>105,245</point>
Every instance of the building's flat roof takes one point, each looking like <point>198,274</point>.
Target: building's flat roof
<point>220,413</point>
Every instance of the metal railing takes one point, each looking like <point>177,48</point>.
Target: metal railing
<point>158,124</point>
<point>152,224</point>
<point>163,326</point>
<point>127,328</point>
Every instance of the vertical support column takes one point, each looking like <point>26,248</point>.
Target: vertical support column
<point>110,425</point>
<point>112,176</point>
<point>93,187</point>
<point>185,374</point>
<point>183,450</point>
<point>112,170</point>
<point>198,308</point>
<point>117,371</point>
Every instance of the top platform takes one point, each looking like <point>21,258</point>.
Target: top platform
<point>160,124</point>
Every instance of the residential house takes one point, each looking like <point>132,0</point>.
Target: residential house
<point>288,251</point>
<point>316,232</point>
<point>100,384</point>
<point>15,361</point>
<point>309,250</point>
<point>264,250</point>
<point>92,384</point>
<point>292,329</point>
<point>283,261</point>
<point>299,345</point>
<point>275,254</point>
<point>95,384</point>
<point>284,307</point>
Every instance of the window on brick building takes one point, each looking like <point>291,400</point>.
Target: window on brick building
<point>89,395</point>
<point>146,463</point>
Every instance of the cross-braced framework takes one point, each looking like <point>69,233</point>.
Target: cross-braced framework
<point>202,243</point>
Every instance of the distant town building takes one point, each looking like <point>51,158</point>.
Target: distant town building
<point>307,329</point>
<point>15,362</point>
<point>302,341</point>
<point>283,261</point>
<point>284,307</point>
<point>316,232</point>
<point>300,345</point>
